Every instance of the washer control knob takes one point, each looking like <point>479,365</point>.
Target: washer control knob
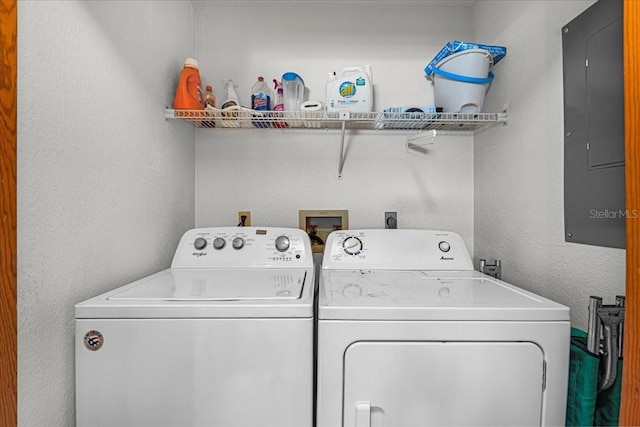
<point>444,246</point>
<point>200,243</point>
<point>238,243</point>
<point>218,243</point>
<point>283,243</point>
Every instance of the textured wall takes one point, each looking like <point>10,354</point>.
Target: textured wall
<point>276,173</point>
<point>519,168</point>
<point>105,184</point>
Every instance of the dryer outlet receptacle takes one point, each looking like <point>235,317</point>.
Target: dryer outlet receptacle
<point>390,220</point>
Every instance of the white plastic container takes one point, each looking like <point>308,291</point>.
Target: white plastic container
<point>462,80</point>
<point>312,111</point>
<point>352,90</point>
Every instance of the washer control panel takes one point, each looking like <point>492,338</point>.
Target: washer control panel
<point>396,249</point>
<point>243,247</point>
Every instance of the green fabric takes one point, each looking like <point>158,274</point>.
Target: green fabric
<point>608,402</point>
<point>585,405</point>
<point>583,382</point>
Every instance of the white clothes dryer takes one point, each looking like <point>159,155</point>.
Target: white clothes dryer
<point>225,337</point>
<point>410,335</point>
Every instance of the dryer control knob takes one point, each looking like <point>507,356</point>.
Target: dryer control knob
<point>218,243</point>
<point>444,246</point>
<point>352,245</point>
<point>200,243</point>
<point>238,243</point>
<point>283,243</point>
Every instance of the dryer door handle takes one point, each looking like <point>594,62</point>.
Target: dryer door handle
<point>363,414</point>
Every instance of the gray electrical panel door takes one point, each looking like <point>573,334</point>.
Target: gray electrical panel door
<point>594,187</point>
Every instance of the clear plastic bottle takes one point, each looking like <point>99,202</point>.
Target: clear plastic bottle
<point>261,95</point>
<point>260,101</point>
<point>293,91</point>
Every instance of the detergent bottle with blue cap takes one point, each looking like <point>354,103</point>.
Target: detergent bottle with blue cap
<point>352,90</point>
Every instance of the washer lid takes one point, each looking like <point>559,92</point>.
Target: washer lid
<point>208,293</point>
<point>217,285</point>
<point>429,295</point>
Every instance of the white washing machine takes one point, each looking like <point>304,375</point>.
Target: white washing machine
<point>410,335</point>
<point>225,337</point>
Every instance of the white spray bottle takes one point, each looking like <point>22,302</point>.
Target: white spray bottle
<point>232,97</point>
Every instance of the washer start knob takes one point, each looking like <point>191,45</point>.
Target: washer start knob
<point>200,243</point>
<point>283,243</point>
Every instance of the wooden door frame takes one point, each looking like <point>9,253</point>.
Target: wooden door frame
<point>630,406</point>
<point>8,258</point>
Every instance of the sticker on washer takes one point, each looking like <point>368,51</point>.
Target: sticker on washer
<point>93,340</point>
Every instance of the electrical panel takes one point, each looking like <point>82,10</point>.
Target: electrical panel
<point>593,77</point>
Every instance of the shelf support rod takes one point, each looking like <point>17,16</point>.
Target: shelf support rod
<point>341,164</point>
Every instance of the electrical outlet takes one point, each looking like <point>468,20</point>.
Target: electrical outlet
<point>244,218</point>
<point>390,220</point>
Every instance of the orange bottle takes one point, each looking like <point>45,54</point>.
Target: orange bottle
<point>189,90</point>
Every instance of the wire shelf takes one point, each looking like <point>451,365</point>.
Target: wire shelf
<point>247,118</point>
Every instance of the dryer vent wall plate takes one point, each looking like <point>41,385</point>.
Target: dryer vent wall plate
<point>320,223</point>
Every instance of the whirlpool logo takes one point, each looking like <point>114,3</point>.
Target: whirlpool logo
<point>93,340</point>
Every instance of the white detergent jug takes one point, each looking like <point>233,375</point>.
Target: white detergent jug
<point>350,91</point>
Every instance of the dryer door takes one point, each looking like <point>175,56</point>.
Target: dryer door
<point>443,384</point>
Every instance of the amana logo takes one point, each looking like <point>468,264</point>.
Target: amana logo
<point>446,258</point>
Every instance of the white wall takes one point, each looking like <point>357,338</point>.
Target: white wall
<point>276,173</point>
<point>519,168</point>
<point>105,184</point>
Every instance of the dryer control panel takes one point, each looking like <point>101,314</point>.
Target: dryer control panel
<point>243,247</point>
<point>396,250</point>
